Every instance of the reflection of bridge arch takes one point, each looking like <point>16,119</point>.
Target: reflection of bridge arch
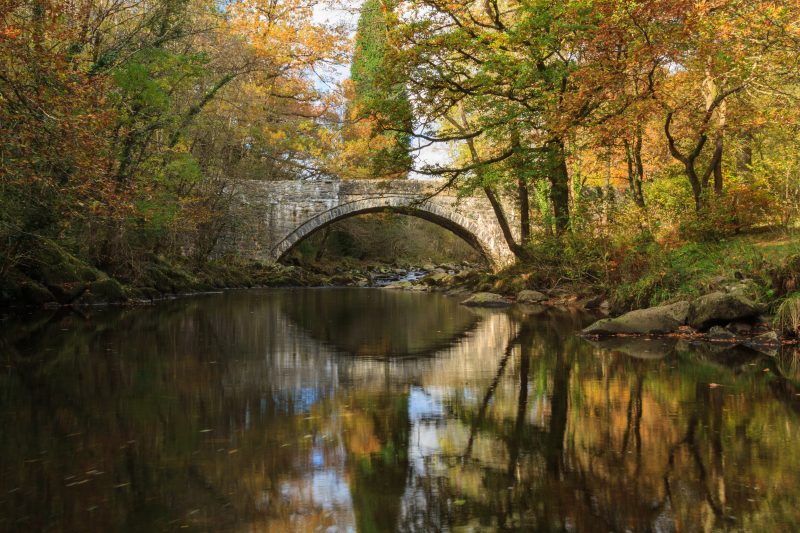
<point>270,217</point>
<point>462,226</point>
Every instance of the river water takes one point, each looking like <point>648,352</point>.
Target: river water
<point>374,410</point>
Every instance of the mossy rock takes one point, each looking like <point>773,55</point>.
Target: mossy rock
<point>720,308</point>
<point>104,291</point>
<point>167,278</point>
<point>34,293</point>
<point>486,299</point>
<point>18,289</point>
<point>655,320</point>
<point>66,293</point>
<point>51,265</point>
<point>509,285</point>
<point>11,288</point>
<point>143,293</point>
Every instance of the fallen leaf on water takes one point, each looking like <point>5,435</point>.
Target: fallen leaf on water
<point>714,385</point>
<point>205,430</point>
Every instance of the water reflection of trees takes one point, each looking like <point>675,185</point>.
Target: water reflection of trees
<point>224,414</point>
<point>623,443</point>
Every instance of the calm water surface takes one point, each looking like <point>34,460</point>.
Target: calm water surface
<point>373,410</point>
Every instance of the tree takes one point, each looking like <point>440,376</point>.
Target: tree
<point>723,50</point>
<point>378,97</point>
<point>107,109</point>
<point>532,74</point>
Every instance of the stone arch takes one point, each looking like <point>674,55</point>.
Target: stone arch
<point>443,215</point>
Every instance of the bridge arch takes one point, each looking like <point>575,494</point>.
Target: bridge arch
<point>442,215</point>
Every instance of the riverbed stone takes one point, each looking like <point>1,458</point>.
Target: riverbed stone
<point>767,339</point>
<point>655,320</point>
<point>104,291</point>
<point>530,297</point>
<point>437,278</point>
<point>486,299</point>
<point>718,333</point>
<point>719,308</point>
<point>402,285</point>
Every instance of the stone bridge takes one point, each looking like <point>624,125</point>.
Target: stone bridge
<point>271,217</point>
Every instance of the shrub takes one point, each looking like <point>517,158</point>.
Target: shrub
<point>741,208</point>
<point>787,316</point>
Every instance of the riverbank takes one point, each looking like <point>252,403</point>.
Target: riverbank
<point>52,277</point>
<point>765,268</point>
<point>747,287</point>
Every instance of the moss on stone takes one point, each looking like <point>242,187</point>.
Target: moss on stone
<point>103,291</point>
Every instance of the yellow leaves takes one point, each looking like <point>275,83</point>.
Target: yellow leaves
<point>10,32</point>
<point>275,136</point>
<point>284,33</point>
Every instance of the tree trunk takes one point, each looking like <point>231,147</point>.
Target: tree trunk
<point>744,163</point>
<point>718,164</point>
<point>499,213</point>
<point>559,184</point>
<point>633,156</point>
<point>524,212</point>
<point>697,187</point>
<point>321,250</point>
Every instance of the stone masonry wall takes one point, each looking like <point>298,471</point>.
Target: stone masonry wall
<point>269,217</point>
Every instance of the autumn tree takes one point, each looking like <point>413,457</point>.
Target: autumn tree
<point>529,76</point>
<point>107,107</point>
<point>724,51</point>
<point>379,109</point>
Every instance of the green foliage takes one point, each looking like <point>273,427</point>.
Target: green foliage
<point>571,259</point>
<point>380,93</point>
<point>741,208</point>
<point>651,273</point>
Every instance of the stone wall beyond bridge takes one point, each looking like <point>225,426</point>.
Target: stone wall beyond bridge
<point>268,218</point>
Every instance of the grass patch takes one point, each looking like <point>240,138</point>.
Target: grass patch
<point>693,269</point>
<point>787,315</point>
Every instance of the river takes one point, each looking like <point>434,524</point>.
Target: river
<point>375,410</point>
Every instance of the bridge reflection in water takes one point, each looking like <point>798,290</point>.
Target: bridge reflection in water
<point>377,410</point>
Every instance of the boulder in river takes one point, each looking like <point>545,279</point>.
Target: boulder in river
<point>437,278</point>
<point>486,299</point>
<point>407,285</point>
<point>718,308</point>
<point>767,343</point>
<point>655,320</point>
<point>770,338</point>
<point>531,297</point>
<point>718,333</point>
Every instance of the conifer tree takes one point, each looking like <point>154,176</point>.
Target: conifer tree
<point>379,96</point>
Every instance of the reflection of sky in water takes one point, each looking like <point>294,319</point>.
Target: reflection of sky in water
<point>425,413</point>
<point>322,491</point>
<point>295,401</point>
